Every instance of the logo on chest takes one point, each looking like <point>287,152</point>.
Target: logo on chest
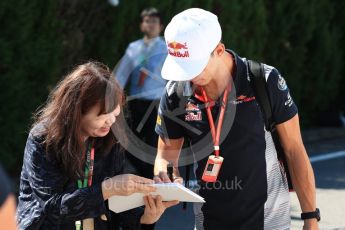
<point>242,99</point>
<point>193,112</point>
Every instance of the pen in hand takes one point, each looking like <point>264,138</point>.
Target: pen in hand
<point>170,169</point>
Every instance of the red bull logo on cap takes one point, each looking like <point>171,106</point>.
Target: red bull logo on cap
<point>177,49</point>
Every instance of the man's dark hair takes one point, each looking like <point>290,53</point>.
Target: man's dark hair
<point>151,12</point>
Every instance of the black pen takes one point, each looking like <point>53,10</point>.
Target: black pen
<point>170,170</point>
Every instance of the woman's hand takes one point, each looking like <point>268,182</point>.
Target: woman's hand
<point>126,184</point>
<point>154,208</point>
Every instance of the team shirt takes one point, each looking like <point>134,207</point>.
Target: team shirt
<point>251,191</point>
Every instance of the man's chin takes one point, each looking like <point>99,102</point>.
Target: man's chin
<point>151,35</point>
<point>200,84</point>
<point>199,81</point>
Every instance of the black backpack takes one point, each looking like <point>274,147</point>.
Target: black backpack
<point>258,83</point>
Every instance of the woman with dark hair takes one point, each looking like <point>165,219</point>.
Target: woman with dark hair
<point>72,161</point>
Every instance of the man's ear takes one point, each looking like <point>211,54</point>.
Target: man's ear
<point>220,49</point>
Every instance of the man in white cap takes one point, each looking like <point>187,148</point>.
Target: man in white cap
<point>236,166</point>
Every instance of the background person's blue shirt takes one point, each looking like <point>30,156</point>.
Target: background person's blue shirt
<point>143,57</point>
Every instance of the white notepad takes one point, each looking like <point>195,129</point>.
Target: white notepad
<point>168,191</point>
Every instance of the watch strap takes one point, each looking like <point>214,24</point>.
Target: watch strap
<point>311,215</point>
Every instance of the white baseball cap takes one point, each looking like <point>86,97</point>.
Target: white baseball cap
<point>191,36</point>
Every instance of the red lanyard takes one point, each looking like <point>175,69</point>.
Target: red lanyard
<point>216,132</point>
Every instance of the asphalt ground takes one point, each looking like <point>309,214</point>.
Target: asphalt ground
<point>330,183</point>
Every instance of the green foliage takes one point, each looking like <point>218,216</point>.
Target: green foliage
<point>41,40</point>
<point>30,52</point>
<point>303,43</point>
<point>338,24</point>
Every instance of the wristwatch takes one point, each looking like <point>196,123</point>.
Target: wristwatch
<point>311,215</point>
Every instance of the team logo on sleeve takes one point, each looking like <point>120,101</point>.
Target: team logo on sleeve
<point>193,112</point>
<point>282,83</point>
<point>289,101</point>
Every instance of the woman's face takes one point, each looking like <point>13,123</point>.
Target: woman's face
<point>94,124</point>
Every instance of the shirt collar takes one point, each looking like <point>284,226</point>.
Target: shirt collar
<point>151,42</point>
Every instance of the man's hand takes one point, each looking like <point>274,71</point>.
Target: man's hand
<point>168,152</point>
<point>163,177</point>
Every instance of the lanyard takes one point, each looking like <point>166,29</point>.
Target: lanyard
<point>216,132</point>
<point>90,157</point>
<point>146,52</point>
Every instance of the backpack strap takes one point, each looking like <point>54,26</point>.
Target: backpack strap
<point>258,82</point>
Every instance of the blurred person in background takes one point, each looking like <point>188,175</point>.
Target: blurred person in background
<point>73,162</point>
<point>7,203</point>
<point>140,69</point>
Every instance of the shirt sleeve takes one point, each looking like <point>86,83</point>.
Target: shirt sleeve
<point>124,69</point>
<point>168,124</point>
<point>283,106</point>
<point>5,189</point>
<point>129,219</point>
<point>47,187</point>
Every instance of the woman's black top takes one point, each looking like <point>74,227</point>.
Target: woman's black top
<point>49,199</point>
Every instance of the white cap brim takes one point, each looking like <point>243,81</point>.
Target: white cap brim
<point>184,70</point>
